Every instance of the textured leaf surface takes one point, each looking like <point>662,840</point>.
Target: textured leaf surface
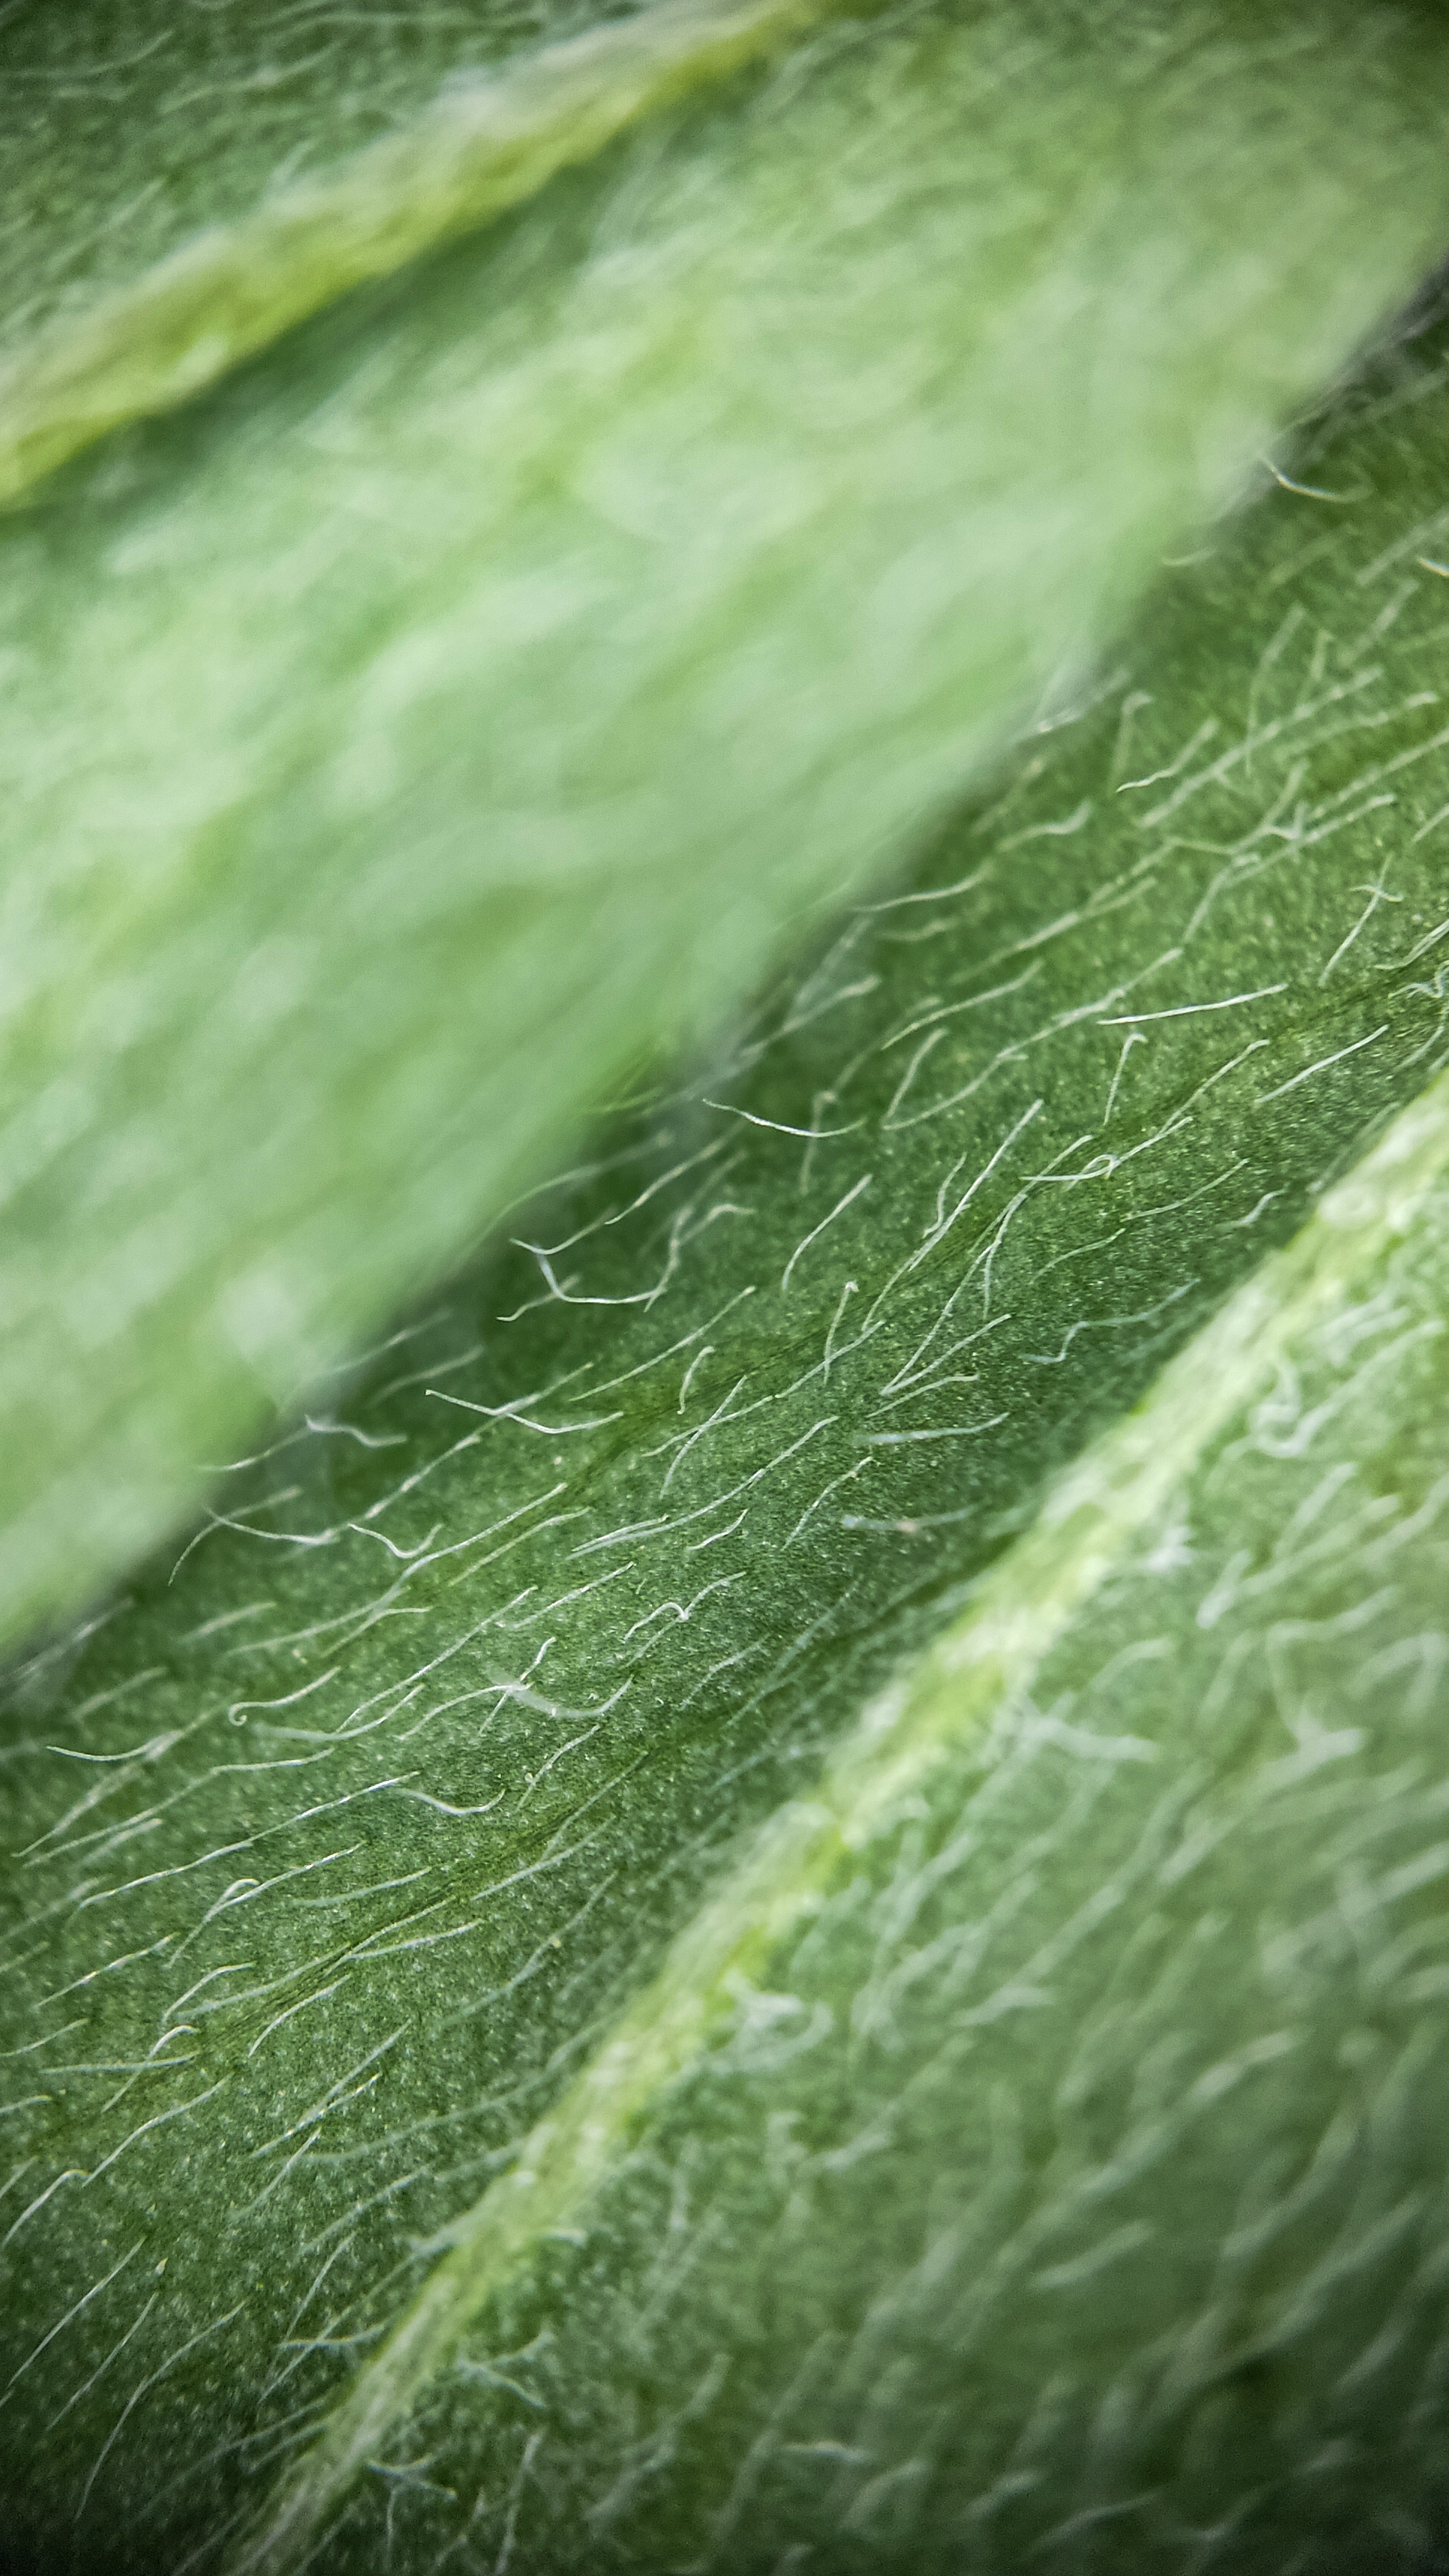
<point>466,698</point>
<point>1037,2148</point>
<point>352,1832</point>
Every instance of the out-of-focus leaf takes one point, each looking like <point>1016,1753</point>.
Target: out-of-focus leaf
<point>465,699</point>
<point>353,1837</point>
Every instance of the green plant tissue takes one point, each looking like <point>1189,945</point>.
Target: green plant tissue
<point>409,739</point>
<point>127,129</point>
<point>1045,2153</point>
<point>774,1895</point>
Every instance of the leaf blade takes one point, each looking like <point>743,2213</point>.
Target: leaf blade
<point>1071,2160</point>
<point>434,515</point>
<point>397,1792</point>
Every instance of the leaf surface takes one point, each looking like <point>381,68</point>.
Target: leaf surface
<point>365,1826</point>
<point>1041,2132</point>
<point>1040,2136</point>
<point>420,731</point>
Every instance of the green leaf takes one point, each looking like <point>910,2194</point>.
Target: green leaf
<point>239,247</point>
<point>1041,2128</point>
<point>411,738</point>
<point>475,1911</point>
